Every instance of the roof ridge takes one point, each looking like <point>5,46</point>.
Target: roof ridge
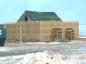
<point>38,11</point>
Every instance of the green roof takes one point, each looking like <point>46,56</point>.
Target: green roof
<point>39,16</point>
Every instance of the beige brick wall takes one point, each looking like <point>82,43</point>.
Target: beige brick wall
<point>46,29</point>
<point>38,30</point>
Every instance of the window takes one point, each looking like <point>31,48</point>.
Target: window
<point>26,19</point>
<point>0,32</point>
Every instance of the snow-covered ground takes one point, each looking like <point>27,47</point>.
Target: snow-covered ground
<point>50,57</point>
<point>45,57</point>
<point>13,44</point>
<point>44,54</point>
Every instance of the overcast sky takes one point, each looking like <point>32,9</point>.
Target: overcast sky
<point>11,10</point>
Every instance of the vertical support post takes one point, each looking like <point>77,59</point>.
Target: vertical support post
<point>20,34</point>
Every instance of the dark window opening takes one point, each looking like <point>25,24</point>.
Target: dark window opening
<point>70,34</point>
<point>26,18</point>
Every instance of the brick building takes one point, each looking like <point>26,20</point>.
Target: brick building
<point>41,26</point>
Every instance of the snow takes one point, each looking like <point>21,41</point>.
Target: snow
<point>51,57</point>
<point>45,57</point>
<point>5,49</point>
<point>10,59</point>
<point>44,54</point>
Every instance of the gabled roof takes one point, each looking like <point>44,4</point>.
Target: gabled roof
<point>39,16</point>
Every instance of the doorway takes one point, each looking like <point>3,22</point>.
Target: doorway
<point>56,34</point>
